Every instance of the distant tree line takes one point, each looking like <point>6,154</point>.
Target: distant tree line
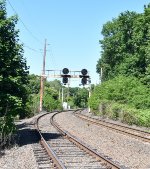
<point>52,99</point>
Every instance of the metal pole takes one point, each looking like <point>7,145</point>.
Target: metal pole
<point>59,94</point>
<point>68,94</point>
<point>42,78</point>
<point>62,95</point>
<point>89,109</point>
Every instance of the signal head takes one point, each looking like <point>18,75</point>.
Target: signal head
<point>84,72</point>
<point>65,71</point>
<point>84,81</point>
<point>65,80</point>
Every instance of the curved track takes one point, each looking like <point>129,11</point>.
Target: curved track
<point>136,133</point>
<point>65,150</point>
<point>45,156</point>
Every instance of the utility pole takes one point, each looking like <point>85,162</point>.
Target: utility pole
<point>59,94</point>
<point>68,92</point>
<point>89,109</point>
<point>62,95</point>
<point>42,78</point>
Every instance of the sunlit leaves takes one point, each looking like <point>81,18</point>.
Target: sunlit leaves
<point>126,46</point>
<point>125,90</point>
<point>13,72</point>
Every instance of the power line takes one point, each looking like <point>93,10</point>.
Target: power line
<point>26,46</point>
<point>28,30</point>
<point>32,49</point>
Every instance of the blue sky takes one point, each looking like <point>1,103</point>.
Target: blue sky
<point>72,29</point>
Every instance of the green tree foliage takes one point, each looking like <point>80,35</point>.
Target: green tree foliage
<point>56,84</point>
<point>13,72</point>
<point>119,94</point>
<point>33,88</point>
<point>124,90</point>
<point>125,64</point>
<point>51,99</point>
<point>51,95</point>
<point>34,84</point>
<point>81,98</point>
<point>74,96</point>
<point>125,46</point>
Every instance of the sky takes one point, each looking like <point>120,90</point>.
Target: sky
<point>72,29</point>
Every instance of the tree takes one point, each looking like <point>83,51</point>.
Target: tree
<point>54,84</point>
<point>13,72</point>
<point>125,47</point>
<point>81,98</point>
<point>34,84</point>
<point>51,99</point>
<point>146,78</point>
<point>33,88</point>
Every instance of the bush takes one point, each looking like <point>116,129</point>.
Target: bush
<point>7,128</point>
<point>122,98</point>
<point>33,105</point>
<point>124,113</point>
<point>124,90</point>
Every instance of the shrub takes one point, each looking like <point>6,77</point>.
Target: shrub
<point>122,98</point>
<point>124,90</point>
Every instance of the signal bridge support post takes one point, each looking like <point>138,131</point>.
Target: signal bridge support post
<point>89,109</point>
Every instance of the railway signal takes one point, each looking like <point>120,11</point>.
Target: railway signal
<point>65,75</point>
<point>65,71</point>
<point>84,76</point>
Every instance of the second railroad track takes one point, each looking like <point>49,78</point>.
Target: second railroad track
<point>124,129</point>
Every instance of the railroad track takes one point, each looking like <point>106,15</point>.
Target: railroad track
<point>136,133</point>
<point>64,150</point>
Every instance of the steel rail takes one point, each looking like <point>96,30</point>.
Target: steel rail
<point>51,153</point>
<point>114,126</point>
<point>84,146</point>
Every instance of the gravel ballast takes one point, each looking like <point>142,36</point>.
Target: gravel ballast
<point>18,158</point>
<point>128,151</point>
<point>21,156</point>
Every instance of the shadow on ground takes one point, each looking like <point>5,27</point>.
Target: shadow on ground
<point>26,134</point>
<point>49,136</point>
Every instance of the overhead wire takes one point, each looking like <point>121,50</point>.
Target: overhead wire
<point>27,29</point>
<point>32,49</point>
<point>33,36</point>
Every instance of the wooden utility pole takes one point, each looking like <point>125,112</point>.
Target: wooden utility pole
<point>42,78</point>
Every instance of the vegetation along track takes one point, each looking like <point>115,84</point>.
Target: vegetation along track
<point>136,133</point>
<point>65,150</point>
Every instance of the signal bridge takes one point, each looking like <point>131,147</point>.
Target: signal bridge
<point>65,74</point>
